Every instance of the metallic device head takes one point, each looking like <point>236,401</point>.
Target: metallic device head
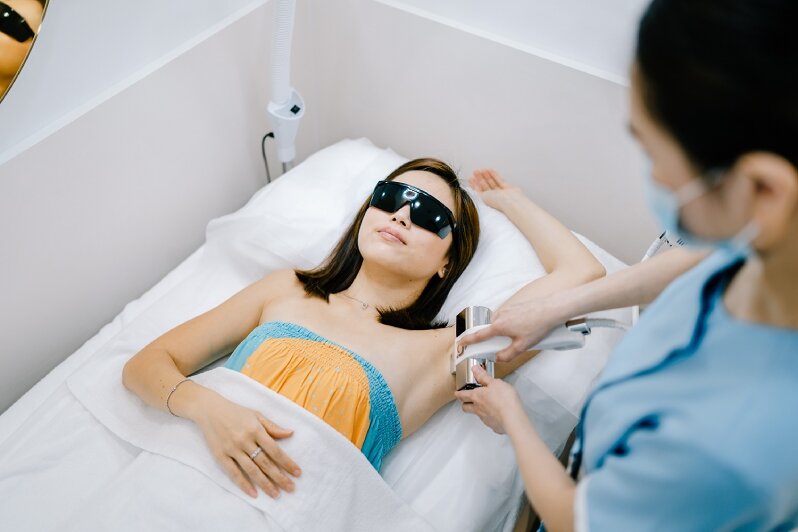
<point>468,318</point>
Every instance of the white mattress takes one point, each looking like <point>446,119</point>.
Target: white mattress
<point>429,470</point>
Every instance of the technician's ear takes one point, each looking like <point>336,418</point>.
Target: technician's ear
<point>775,206</point>
<point>442,271</point>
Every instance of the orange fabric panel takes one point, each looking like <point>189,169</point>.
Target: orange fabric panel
<point>322,378</point>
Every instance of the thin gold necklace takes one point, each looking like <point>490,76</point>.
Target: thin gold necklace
<point>363,304</point>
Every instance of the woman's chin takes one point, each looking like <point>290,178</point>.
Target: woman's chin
<point>389,263</point>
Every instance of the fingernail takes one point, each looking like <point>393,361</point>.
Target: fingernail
<point>297,472</point>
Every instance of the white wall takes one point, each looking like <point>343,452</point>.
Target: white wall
<point>423,87</point>
<point>594,36</point>
<point>88,50</point>
<point>98,211</point>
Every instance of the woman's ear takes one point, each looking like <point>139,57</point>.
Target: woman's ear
<point>442,270</point>
<point>775,205</point>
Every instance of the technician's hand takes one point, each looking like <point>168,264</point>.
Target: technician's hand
<point>233,433</point>
<point>525,322</point>
<point>493,402</point>
<point>493,190</point>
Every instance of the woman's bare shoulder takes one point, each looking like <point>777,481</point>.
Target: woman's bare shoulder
<point>275,286</point>
<point>284,279</point>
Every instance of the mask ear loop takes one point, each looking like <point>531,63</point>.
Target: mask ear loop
<point>747,234</point>
<point>690,191</point>
<point>699,185</point>
<point>750,231</point>
<point>703,184</point>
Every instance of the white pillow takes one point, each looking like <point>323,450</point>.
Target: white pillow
<point>300,217</point>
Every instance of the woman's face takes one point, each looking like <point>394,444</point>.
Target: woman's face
<point>393,242</point>
<point>721,212</point>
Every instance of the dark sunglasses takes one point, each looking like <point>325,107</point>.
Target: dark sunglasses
<point>425,210</point>
<point>13,24</point>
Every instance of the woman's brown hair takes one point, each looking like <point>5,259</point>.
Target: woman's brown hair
<point>340,268</point>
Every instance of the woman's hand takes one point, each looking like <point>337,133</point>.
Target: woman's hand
<point>493,402</point>
<point>493,190</point>
<point>233,433</point>
<point>525,322</point>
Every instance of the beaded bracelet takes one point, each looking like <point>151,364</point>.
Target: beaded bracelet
<point>170,395</point>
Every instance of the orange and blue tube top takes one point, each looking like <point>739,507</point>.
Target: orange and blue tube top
<point>326,379</point>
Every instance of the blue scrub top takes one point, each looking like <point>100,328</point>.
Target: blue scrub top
<point>693,425</point>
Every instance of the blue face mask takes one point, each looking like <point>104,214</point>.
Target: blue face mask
<point>666,204</point>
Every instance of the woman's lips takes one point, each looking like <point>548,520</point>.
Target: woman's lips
<point>390,236</point>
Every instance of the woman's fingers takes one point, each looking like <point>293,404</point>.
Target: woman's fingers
<point>477,181</point>
<point>234,434</point>
<point>275,451</point>
<point>274,430</point>
<point>272,472</point>
<point>487,179</point>
<point>262,470</point>
<point>255,474</point>
<point>237,476</point>
<point>493,179</point>
<point>273,465</point>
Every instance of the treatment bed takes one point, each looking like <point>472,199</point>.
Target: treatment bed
<point>78,451</point>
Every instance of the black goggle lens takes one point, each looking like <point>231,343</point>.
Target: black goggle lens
<point>425,210</point>
<point>13,24</point>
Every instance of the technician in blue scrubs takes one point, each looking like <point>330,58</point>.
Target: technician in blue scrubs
<point>694,423</point>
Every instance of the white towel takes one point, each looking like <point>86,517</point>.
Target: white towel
<point>338,489</point>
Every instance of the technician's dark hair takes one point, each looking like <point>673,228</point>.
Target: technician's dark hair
<point>722,76</point>
<point>340,268</point>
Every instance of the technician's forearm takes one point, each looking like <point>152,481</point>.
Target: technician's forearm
<point>549,488</point>
<point>636,285</point>
<point>152,373</point>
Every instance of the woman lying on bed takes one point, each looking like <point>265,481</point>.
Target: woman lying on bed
<point>353,341</point>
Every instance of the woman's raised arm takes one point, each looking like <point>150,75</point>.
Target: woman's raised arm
<point>567,262</point>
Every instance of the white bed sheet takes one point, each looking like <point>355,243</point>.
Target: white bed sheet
<point>33,399</point>
<point>28,425</point>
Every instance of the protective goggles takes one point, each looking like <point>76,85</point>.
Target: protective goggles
<point>425,210</point>
<point>13,24</point>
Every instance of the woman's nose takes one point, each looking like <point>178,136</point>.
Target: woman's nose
<point>402,216</point>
